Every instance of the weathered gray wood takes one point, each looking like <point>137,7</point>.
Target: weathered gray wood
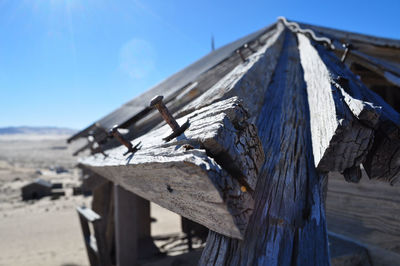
<point>344,252</point>
<point>383,159</point>
<point>339,140</point>
<point>255,73</point>
<point>126,228</point>
<point>205,72</point>
<point>377,256</point>
<point>388,70</point>
<point>194,89</point>
<point>288,224</point>
<point>95,244</point>
<point>352,36</point>
<point>368,211</point>
<point>207,174</point>
<point>103,204</point>
<point>132,226</point>
<point>379,65</point>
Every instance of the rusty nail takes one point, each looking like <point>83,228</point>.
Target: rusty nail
<point>239,52</point>
<point>246,45</point>
<point>94,146</point>
<point>348,47</point>
<point>159,104</point>
<point>114,132</point>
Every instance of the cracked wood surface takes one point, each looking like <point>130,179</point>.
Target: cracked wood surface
<point>309,121</point>
<point>255,73</point>
<point>207,174</point>
<point>309,124</point>
<point>383,159</point>
<point>341,126</point>
<point>288,223</point>
<point>198,87</point>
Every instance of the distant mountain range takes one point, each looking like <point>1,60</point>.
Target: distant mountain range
<point>36,130</point>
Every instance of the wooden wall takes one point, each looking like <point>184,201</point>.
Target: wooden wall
<point>368,211</point>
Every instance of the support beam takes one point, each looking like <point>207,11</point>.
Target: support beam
<point>288,223</point>
<point>208,174</point>
<point>383,160</point>
<point>341,126</point>
<point>256,73</point>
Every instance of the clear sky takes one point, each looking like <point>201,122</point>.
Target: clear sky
<point>67,63</point>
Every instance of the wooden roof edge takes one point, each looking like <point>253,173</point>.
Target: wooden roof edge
<point>366,38</point>
<point>155,89</point>
<point>378,41</point>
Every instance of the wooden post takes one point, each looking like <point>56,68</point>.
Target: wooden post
<point>185,175</point>
<point>288,223</point>
<point>126,229</point>
<point>132,228</point>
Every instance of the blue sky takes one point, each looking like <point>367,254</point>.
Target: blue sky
<point>69,62</point>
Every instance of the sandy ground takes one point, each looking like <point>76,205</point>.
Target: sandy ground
<point>47,232</point>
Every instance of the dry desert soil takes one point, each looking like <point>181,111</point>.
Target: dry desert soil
<point>47,232</point>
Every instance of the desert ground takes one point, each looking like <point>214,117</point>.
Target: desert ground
<point>46,231</point>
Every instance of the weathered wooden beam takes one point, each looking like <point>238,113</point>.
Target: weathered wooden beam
<point>194,89</point>
<point>383,159</point>
<point>354,37</point>
<point>103,204</point>
<point>207,174</point>
<point>255,73</point>
<point>288,223</point>
<point>367,211</point>
<point>341,126</point>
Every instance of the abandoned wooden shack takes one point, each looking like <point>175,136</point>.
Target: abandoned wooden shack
<point>260,123</point>
<point>37,189</point>
<point>41,188</point>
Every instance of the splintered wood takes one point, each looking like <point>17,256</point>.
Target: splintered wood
<point>207,174</point>
<point>341,140</point>
<point>382,158</point>
<point>315,117</point>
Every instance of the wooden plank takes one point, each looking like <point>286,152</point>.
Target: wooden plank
<point>96,246</point>
<point>207,174</point>
<point>389,72</point>
<point>344,252</point>
<point>255,73</point>
<point>88,214</point>
<point>288,222</point>
<point>84,217</point>
<point>383,159</point>
<point>136,108</point>
<point>193,90</point>
<point>352,36</point>
<point>368,211</point>
<point>339,139</point>
<point>126,229</point>
<point>103,204</point>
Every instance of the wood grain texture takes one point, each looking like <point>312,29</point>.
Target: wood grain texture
<point>126,227</point>
<point>191,91</point>
<point>252,75</point>
<point>383,160</point>
<point>288,223</point>
<point>353,37</point>
<point>368,211</point>
<point>207,174</point>
<point>340,139</point>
